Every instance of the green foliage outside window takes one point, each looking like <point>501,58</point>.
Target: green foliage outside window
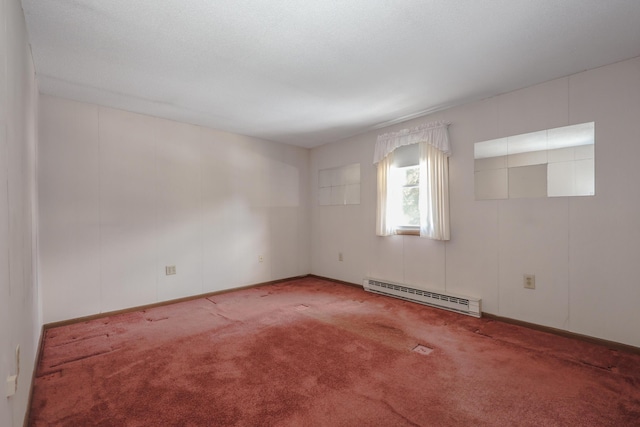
<point>410,196</point>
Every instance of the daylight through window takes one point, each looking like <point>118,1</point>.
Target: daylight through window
<point>406,185</point>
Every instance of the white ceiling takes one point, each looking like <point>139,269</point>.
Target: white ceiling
<point>308,72</point>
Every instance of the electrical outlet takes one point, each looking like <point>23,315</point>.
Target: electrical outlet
<point>530,281</point>
<point>340,257</point>
<point>11,385</point>
<point>170,270</point>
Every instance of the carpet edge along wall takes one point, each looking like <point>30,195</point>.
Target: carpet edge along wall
<point>311,351</point>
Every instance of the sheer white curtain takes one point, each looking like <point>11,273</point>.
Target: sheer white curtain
<point>434,185</point>
<point>434,178</point>
<point>384,222</point>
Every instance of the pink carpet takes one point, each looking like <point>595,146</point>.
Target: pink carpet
<point>315,353</point>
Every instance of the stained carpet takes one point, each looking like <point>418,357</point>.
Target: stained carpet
<point>311,352</point>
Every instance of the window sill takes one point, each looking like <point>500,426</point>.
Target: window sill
<point>408,231</point>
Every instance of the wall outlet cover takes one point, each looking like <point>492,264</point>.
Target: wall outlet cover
<point>529,281</point>
<point>11,385</point>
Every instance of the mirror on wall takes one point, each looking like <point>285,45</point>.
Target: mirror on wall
<point>339,186</point>
<point>549,163</point>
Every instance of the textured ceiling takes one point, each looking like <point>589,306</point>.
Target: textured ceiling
<point>309,72</point>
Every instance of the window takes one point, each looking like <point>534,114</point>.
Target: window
<point>404,190</point>
<point>408,180</point>
<point>413,182</point>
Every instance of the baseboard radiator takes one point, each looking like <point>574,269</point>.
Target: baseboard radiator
<point>458,303</point>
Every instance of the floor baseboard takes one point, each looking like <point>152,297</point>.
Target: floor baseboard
<point>563,333</point>
<point>342,282</point>
<point>162,303</point>
<point>606,343</point>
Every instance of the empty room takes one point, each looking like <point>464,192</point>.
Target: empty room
<point>320,213</point>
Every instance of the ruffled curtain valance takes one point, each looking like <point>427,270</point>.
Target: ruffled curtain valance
<point>434,134</point>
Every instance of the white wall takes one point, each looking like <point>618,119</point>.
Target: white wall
<point>583,250</point>
<point>123,195</point>
<point>19,299</point>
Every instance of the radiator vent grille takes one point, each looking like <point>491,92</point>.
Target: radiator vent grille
<point>457,303</point>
